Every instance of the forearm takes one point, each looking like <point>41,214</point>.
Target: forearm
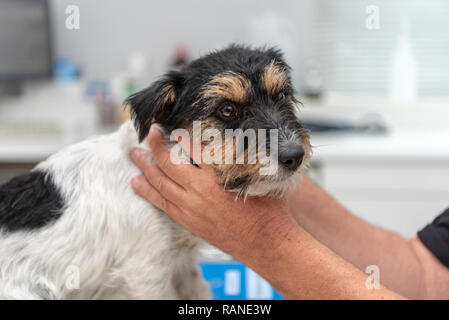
<point>357,241</point>
<point>302,268</point>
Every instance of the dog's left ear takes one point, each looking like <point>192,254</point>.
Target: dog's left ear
<point>154,104</point>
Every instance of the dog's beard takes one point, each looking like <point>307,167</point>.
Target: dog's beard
<point>273,186</point>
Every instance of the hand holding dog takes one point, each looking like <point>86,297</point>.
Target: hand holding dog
<point>259,232</point>
<point>194,197</point>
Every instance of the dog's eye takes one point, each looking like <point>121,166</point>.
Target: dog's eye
<point>281,96</point>
<point>228,110</point>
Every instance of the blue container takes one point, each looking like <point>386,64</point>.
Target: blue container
<point>235,281</point>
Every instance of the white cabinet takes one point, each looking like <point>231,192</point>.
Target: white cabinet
<point>387,180</point>
<point>399,198</point>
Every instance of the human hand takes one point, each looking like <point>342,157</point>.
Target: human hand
<point>259,232</point>
<point>194,198</point>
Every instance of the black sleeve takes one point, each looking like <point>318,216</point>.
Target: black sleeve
<point>435,237</point>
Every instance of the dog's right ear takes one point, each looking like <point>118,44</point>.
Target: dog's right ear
<point>154,104</point>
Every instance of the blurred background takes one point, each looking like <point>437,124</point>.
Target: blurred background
<point>373,78</point>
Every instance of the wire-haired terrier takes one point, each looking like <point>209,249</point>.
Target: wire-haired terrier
<point>73,228</point>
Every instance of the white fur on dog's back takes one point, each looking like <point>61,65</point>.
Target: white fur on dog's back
<point>122,246</point>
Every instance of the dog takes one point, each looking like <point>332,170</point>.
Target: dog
<point>73,228</point>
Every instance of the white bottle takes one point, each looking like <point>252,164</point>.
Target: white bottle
<point>403,71</point>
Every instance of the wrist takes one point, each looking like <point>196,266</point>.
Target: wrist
<point>269,243</point>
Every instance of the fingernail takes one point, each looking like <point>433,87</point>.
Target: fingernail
<point>135,182</point>
<point>135,153</point>
<point>155,129</point>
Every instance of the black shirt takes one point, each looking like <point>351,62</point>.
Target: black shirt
<point>435,237</point>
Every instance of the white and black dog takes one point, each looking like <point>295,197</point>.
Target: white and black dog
<point>75,216</point>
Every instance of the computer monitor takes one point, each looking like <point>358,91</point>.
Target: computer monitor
<point>25,49</point>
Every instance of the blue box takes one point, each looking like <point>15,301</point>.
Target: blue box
<point>235,281</point>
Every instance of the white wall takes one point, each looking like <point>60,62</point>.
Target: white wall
<point>112,29</point>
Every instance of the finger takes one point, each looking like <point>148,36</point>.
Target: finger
<point>159,181</point>
<point>183,174</point>
<point>147,191</point>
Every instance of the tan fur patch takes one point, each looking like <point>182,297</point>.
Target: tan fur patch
<point>305,141</point>
<point>228,85</point>
<point>274,79</point>
<point>165,98</point>
<point>168,94</point>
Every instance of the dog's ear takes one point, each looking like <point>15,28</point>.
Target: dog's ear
<point>154,104</point>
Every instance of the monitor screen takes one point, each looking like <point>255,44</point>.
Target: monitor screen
<point>25,50</point>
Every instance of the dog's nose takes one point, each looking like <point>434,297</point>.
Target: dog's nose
<point>291,157</point>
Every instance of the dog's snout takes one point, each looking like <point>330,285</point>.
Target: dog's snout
<point>291,157</point>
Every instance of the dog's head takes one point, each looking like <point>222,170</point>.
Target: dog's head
<point>240,101</point>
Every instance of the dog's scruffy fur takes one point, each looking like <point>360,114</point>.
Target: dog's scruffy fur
<point>75,216</point>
